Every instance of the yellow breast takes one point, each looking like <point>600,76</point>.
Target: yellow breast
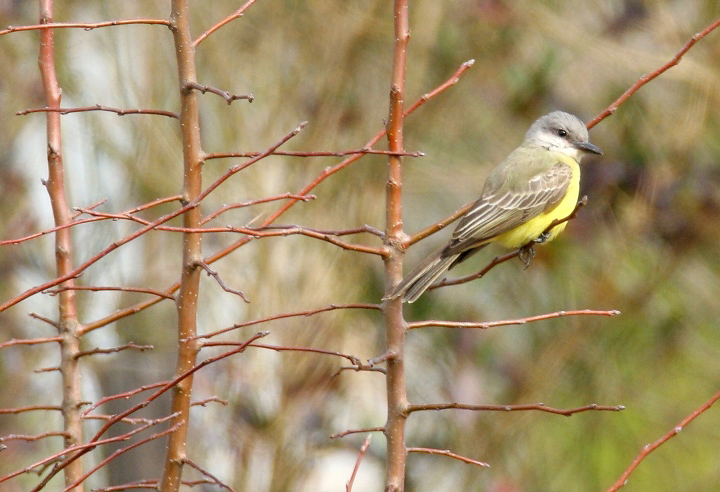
<point>533,228</point>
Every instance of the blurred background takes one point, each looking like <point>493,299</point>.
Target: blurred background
<point>646,244</point>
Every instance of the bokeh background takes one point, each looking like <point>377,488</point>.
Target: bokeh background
<point>646,244</point>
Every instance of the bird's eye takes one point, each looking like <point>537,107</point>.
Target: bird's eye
<point>561,132</point>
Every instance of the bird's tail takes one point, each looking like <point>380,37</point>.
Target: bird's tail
<point>417,281</point>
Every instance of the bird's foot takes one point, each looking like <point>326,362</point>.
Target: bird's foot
<point>542,238</point>
<point>527,253</point>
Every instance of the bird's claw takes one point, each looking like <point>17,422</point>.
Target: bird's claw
<point>527,253</point>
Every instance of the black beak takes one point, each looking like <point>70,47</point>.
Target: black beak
<point>588,147</point>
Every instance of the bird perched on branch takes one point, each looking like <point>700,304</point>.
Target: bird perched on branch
<point>538,183</point>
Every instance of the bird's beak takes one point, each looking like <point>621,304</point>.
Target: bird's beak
<point>588,147</point>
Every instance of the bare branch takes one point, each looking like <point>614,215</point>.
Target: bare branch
<point>649,448</point>
<point>321,153</point>
<point>29,341</point>
<point>213,478</point>
<point>220,282</point>
<point>141,290</point>
<point>127,346</point>
<point>361,454</point>
<point>331,307</point>
<point>235,15</point>
<point>229,98</point>
<point>31,408</point>
<point>513,408</point>
<point>284,196</point>
<point>447,452</point>
<point>87,27</point>
<point>22,437</point>
<point>648,77</point>
<point>98,107</point>
<point>357,431</point>
<point>483,325</point>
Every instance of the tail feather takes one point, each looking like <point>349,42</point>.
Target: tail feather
<point>417,281</point>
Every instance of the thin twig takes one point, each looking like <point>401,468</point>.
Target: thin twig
<point>213,479</point>
<point>87,27</point>
<point>448,453</point>
<point>235,15</point>
<point>648,77</point>
<point>319,153</point>
<point>483,325</point>
<point>649,448</point>
<point>357,431</point>
<point>220,282</point>
<point>98,107</point>
<point>311,312</point>
<point>113,350</point>
<point>361,455</point>
<point>541,407</point>
<point>229,98</point>
<point>141,290</point>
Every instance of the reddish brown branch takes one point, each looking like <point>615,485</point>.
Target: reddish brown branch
<point>235,15</point>
<point>320,153</point>
<point>357,431</point>
<point>249,203</point>
<point>284,208</point>
<point>26,438</point>
<point>649,448</point>
<point>213,479</point>
<point>513,408</point>
<point>361,455</point>
<point>113,350</point>
<point>141,290</point>
<point>98,107</point>
<point>437,226</point>
<point>448,453</point>
<point>229,98</point>
<point>31,408</point>
<point>220,282</point>
<point>29,341</point>
<point>331,307</point>
<point>73,454</point>
<point>483,325</point>
<point>88,27</point>
<point>648,77</point>
<point>123,396</point>
<point>122,451</point>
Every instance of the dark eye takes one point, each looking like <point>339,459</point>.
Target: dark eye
<point>561,132</point>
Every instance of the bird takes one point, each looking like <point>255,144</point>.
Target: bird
<point>538,183</point>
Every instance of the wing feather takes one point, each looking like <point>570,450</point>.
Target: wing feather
<point>499,211</point>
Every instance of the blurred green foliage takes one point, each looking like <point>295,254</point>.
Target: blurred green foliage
<point>646,244</point>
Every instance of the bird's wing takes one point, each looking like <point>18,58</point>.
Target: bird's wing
<point>499,211</point>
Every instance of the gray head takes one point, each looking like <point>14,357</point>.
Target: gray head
<point>561,132</point>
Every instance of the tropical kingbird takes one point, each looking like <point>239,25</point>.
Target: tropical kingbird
<point>539,182</point>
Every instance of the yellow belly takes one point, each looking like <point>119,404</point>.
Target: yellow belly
<point>533,228</point>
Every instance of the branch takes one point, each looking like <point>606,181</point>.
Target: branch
<point>141,290</point>
<point>331,307</point>
<point>22,437</point>
<point>213,478</point>
<point>649,448</point>
<point>357,431</point>
<point>447,452</point>
<point>220,282</point>
<point>648,77</point>
<point>320,153</point>
<point>513,408</point>
<point>98,107</point>
<point>520,321</point>
<point>235,15</point>
<point>29,341</point>
<point>31,408</point>
<point>127,346</point>
<point>87,27</point>
<point>249,203</point>
<point>229,98</point>
<point>361,454</point>
<point>281,210</point>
